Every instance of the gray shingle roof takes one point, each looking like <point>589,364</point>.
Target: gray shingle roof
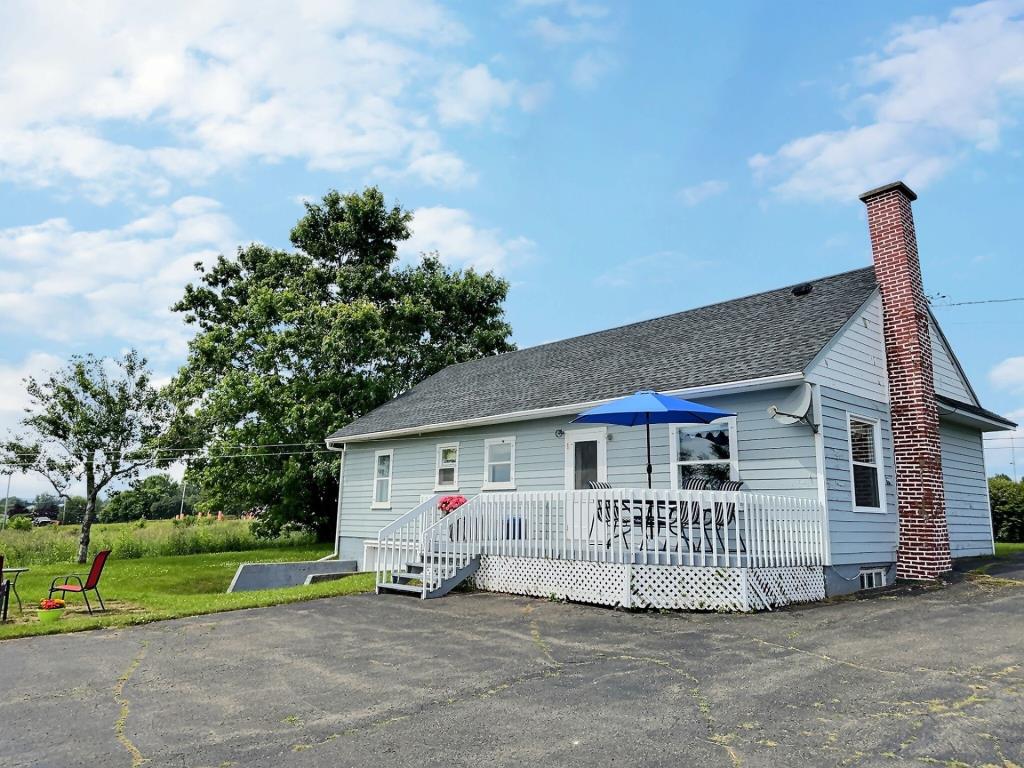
<point>766,334</point>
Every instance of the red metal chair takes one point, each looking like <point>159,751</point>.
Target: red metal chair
<point>91,582</point>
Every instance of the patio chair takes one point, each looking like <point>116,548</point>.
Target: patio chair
<point>607,512</point>
<point>92,581</point>
<point>5,591</point>
<point>696,519</point>
<point>725,513</point>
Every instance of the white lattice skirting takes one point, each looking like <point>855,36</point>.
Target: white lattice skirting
<point>652,586</point>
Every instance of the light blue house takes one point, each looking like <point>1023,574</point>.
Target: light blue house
<point>804,368</point>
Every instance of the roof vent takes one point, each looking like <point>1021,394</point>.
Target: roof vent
<point>803,289</point>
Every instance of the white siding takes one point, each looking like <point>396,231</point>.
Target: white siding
<point>772,458</point>
<point>963,475</point>
<point>857,537</point>
<point>948,379</point>
<point>854,361</point>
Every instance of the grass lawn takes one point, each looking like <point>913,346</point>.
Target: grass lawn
<point>1007,548</point>
<point>151,588</point>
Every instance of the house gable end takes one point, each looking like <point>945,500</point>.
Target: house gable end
<point>853,361</point>
<point>950,379</point>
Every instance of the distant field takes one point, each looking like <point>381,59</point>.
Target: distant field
<point>141,590</point>
<point>156,538</point>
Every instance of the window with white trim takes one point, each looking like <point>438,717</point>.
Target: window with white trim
<point>703,451</point>
<point>866,463</point>
<point>382,466</point>
<point>447,472</point>
<point>499,463</point>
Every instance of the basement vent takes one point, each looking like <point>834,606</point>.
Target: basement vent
<point>872,578</point>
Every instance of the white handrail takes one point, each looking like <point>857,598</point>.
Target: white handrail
<point>701,528</point>
<point>398,542</point>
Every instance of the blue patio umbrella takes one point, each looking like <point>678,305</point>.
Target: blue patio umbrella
<point>648,407</point>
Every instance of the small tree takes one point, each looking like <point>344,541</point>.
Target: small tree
<point>1007,500</point>
<point>91,421</point>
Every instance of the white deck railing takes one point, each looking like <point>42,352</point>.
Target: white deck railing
<point>693,528</point>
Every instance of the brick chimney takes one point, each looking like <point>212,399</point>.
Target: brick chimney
<point>924,536</point>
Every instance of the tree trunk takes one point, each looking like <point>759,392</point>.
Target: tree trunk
<point>90,509</point>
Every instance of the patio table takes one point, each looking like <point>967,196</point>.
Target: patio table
<point>14,582</point>
<point>656,518</point>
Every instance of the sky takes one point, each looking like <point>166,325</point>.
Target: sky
<point>614,161</point>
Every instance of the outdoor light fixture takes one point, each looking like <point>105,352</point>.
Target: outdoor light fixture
<point>559,433</point>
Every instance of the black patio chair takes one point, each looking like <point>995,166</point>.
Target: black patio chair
<point>725,514</point>
<point>607,512</point>
<point>5,591</point>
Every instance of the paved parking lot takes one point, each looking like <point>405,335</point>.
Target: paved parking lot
<point>931,677</point>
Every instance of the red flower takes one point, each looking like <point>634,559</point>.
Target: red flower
<point>50,603</point>
<point>451,503</point>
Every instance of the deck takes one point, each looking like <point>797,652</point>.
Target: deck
<point>706,550</point>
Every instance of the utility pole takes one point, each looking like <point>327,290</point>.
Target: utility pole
<point>7,501</point>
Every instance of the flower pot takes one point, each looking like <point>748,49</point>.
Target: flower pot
<point>50,615</point>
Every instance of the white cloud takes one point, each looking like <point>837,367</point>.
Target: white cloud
<point>462,243</point>
<point>472,95</point>
<point>590,68</point>
<point>698,193</point>
<point>336,85</point>
<point>658,267</point>
<point>13,398</point>
<point>1009,374</point>
<point>72,285</point>
<point>936,91</point>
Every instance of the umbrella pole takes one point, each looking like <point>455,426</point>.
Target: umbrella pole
<point>647,419</point>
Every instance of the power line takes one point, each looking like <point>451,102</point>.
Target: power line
<point>978,301</point>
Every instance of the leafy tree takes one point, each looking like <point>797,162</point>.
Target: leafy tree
<point>292,345</point>
<point>1007,500</point>
<point>46,504</point>
<point>155,497</point>
<point>14,506</point>
<point>74,510</point>
<point>91,421</point>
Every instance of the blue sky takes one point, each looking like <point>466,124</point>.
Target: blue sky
<point>615,161</point>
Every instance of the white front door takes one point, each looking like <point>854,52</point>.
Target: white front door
<point>586,457</point>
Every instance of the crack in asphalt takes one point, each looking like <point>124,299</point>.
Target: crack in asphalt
<point>122,719</point>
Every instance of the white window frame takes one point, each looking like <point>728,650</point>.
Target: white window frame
<point>441,447</point>
<point>673,449</point>
<point>872,574</point>
<point>600,434</point>
<point>390,453</point>
<point>879,463</point>
<point>511,484</point>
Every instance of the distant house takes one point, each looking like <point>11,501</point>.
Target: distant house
<point>883,476</point>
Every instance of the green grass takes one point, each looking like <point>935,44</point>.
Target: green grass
<point>1007,548</point>
<point>59,543</point>
<point>155,588</point>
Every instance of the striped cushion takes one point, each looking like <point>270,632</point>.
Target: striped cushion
<point>731,485</point>
<point>597,485</point>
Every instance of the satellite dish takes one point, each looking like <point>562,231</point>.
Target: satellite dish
<point>795,407</point>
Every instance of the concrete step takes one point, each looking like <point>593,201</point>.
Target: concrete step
<point>404,588</point>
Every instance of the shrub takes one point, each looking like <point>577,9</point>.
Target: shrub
<point>19,523</point>
<point>1007,500</point>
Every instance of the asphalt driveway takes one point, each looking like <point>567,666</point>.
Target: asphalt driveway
<point>922,678</point>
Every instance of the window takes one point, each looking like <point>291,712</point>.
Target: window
<point>866,464</point>
<point>703,451</point>
<point>382,461</point>
<point>447,478</point>
<point>872,578</point>
<point>500,463</point>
